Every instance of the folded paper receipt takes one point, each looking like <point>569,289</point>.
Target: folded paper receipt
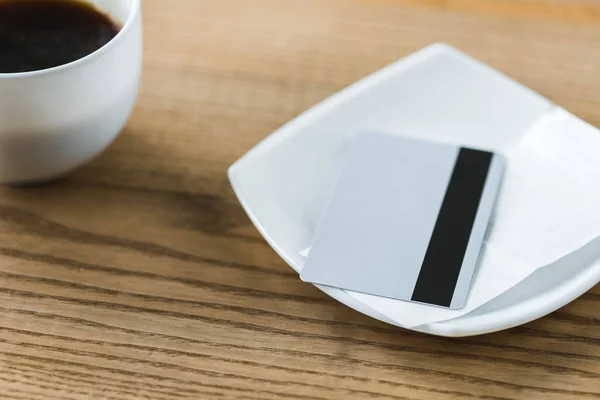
<point>548,207</point>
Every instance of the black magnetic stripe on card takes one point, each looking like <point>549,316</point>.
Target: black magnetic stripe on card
<point>446,250</point>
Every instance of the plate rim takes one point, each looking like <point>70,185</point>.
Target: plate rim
<point>533,308</point>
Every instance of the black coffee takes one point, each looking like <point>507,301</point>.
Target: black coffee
<point>40,34</point>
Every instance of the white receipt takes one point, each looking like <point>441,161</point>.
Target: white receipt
<point>548,207</point>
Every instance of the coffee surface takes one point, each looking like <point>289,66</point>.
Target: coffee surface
<point>41,34</point>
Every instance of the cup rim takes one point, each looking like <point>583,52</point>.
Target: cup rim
<point>135,9</point>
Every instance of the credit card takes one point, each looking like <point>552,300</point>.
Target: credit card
<point>406,220</point>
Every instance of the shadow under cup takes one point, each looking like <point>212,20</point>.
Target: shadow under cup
<point>54,120</point>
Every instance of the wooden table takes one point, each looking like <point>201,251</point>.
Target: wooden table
<point>140,277</point>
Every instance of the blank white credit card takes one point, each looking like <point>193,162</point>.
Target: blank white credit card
<point>406,221</point>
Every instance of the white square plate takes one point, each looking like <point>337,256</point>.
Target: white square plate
<point>437,94</point>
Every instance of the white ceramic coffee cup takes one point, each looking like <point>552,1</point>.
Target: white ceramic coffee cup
<point>54,120</point>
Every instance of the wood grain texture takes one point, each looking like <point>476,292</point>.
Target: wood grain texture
<point>140,277</point>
